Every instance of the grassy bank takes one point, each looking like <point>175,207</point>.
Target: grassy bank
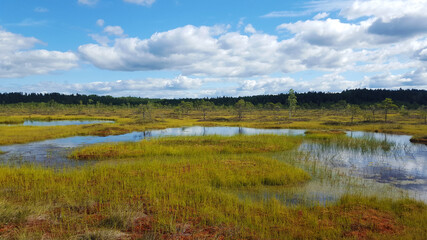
<point>419,139</point>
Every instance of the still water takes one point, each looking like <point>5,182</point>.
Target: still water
<point>404,165</point>
<point>58,123</point>
<point>53,152</point>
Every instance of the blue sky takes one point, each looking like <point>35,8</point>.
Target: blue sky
<point>183,48</point>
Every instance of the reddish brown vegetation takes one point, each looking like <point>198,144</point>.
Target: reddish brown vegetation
<point>110,131</point>
<point>365,222</point>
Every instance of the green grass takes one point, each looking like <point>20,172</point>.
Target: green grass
<point>188,146</point>
<point>163,197</point>
<point>190,186</point>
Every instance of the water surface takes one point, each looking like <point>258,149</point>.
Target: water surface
<point>58,123</point>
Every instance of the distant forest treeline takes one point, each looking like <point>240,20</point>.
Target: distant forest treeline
<point>410,98</point>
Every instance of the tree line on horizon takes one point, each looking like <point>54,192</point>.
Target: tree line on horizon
<point>410,98</point>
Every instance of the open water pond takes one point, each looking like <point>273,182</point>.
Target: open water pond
<point>58,123</point>
<point>401,163</point>
<point>54,152</point>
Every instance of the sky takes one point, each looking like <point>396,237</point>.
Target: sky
<point>200,48</point>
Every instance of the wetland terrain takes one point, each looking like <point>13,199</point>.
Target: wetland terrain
<point>106,172</point>
<point>213,120</point>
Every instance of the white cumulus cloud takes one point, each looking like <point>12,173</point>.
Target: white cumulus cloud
<point>18,60</point>
<point>382,37</point>
<point>385,9</point>
<point>250,29</point>
<point>211,51</point>
<point>412,79</point>
<point>114,30</point>
<point>321,15</point>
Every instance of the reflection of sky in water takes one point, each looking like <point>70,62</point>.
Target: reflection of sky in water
<point>412,160</point>
<point>392,138</point>
<point>317,192</point>
<point>405,165</point>
<point>54,151</point>
<point>63,122</point>
<point>58,123</point>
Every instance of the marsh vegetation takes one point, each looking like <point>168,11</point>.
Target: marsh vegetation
<point>137,182</point>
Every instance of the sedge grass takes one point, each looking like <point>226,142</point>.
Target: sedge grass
<point>190,193</point>
<point>162,196</point>
<point>340,141</point>
<point>190,146</point>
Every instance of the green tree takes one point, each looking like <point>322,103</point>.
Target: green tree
<point>403,111</point>
<point>206,106</point>
<point>277,107</point>
<point>178,111</point>
<point>186,107</point>
<point>240,108</point>
<point>353,110</point>
<point>269,106</point>
<point>387,104</point>
<point>292,101</point>
<point>340,105</point>
<point>373,108</point>
<point>146,111</point>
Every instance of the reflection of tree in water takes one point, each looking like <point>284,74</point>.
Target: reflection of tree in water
<point>389,174</point>
<point>146,134</point>
<point>142,135</point>
<point>241,131</point>
<point>389,164</point>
